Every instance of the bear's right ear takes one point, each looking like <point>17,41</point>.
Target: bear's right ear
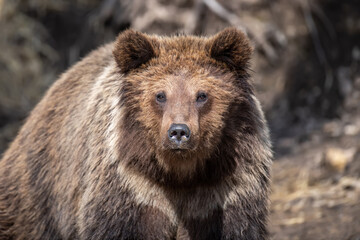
<point>133,49</point>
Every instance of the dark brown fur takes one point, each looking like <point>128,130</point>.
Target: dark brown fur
<point>93,160</point>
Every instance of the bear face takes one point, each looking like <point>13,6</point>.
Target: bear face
<point>179,91</point>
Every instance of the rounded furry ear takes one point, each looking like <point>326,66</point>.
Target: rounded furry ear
<point>133,49</point>
<point>232,47</point>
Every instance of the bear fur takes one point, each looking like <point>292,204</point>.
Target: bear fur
<point>94,161</point>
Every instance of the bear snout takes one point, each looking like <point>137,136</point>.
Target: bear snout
<point>179,134</point>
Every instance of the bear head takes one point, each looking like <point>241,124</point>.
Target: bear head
<point>178,94</point>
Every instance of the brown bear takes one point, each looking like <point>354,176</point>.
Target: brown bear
<point>146,138</point>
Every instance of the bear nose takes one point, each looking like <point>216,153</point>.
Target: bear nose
<point>179,133</point>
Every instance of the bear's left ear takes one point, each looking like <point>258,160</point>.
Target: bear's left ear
<point>133,49</point>
<point>232,47</point>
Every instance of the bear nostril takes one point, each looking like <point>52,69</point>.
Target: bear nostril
<point>179,133</point>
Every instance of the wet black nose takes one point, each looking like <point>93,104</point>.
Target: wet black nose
<point>179,133</point>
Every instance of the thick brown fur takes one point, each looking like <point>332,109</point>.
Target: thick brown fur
<point>93,160</point>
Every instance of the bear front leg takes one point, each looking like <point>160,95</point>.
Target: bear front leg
<point>207,228</point>
<point>245,221</point>
<point>232,223</point>
<point>126,220</point>
<point>108,210</point>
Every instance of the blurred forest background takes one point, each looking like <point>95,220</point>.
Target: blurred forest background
<point>305,69</point>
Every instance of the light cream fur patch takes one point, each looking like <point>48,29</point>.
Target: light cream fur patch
<point>147,193</point>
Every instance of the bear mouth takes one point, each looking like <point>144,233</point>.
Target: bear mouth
<point>178,148</point>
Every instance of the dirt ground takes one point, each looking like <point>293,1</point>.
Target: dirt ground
<point>316,187</point>
<point>305,70</point>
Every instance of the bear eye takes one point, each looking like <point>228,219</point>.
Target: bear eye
<point>161,97</point>
<point>201,97</point>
